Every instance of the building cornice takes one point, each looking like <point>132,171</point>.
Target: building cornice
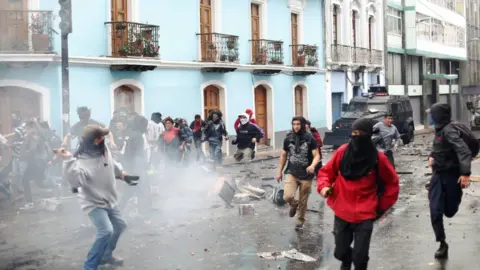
<point>103,61</point>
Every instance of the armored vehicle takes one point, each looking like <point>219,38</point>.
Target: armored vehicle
<point>374,105</point>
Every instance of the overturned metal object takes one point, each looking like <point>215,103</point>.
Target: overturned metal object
<point>241,198</point>
<point>254,192</point>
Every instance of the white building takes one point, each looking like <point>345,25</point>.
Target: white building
<point>354,36</point>
<point>425,37</point>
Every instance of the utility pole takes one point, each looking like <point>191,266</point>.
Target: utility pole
<point>65,14</point>
<point>404,56</point>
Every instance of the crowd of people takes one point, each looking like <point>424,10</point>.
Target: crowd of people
<point>359,181</point>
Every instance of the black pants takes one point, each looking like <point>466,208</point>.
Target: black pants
<point>389,155</point>
<point>445,196</point>
<point>358,233</point>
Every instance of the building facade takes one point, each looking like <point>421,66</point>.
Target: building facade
<point>180,58</point>
<point>426,44</point>
<point>470,70</point>
<point>355,50</point>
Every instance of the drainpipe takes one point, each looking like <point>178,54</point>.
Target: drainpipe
<point>385,43</point>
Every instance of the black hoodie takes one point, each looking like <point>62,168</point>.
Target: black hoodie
<point>135,157</point>
<point>450,153</point>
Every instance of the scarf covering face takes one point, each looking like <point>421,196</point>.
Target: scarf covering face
<point>299,137</point>
<point>360,156</point>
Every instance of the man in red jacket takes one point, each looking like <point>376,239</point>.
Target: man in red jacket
<point>360,184</point>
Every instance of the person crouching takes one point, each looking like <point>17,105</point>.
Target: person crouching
<point>360,184</point>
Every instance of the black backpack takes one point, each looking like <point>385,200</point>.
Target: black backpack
<point>468,137</point>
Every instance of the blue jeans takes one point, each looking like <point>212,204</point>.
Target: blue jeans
<point>110,225</point>
<point>216,152</point>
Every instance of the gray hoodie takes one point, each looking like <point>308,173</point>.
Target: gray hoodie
<point>95,179</point>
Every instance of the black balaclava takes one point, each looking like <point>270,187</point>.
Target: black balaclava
<point>441,114</point>
<point>360,156</point>
<point>300,136</point>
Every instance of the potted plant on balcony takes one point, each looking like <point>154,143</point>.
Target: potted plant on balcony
<point>262,56</point>
<point>125,49</point>
<point>223,57</point>
<point>277,46</point>
<point>39,25</point>
<point>301,56</point>
<point>231,43</point>
<point>151,50</point>
<point>233,57</point>
<point>276,60</point>
<point>211,53</point>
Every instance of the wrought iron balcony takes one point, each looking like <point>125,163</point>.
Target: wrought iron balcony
<point>26,31</point>
<point>341,53</point>
<point>304,55</point>
<point>266,52</point>
<point>130,39</point>
<point>217,47</point>
<point>375,57</point>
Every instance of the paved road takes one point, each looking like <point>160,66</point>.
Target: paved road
<point>192,229</point>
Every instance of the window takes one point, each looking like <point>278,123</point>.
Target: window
<point>394,69</point>
<point>335,25</point>
<point>440,32</point>
<point>370,32</point>
<point>394,21</point>
<point>354,28</point>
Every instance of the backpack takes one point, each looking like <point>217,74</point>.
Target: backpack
<point>468,137</point>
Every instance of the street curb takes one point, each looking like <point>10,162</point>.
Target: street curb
<point>424,131</point>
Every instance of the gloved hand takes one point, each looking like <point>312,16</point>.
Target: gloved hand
<point>234,142</point>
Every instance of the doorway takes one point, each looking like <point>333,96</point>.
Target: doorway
<point>336,106</point>
<point>299,106</point>
<point>17,102</point>
<point>14,25</point>
<point>120,31</point>
<point>261,111</point>
<point>211,100</point>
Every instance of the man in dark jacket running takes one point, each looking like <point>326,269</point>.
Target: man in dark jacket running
<point>450,161</point>
<point>247,136</point>
<point>197,127</point>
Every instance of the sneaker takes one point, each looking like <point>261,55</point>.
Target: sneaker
<point>112,261</point>
<point>427,185</point>
<point>299,226</point>
<point>442,251</point>
<point>293,210</point>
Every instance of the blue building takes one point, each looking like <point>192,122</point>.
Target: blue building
<point>180,58</point>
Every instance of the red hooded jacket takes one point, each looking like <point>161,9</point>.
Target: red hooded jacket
<point>252,120</point>
<point>357,201</point>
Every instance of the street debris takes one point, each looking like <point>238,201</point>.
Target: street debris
<point>292,254</point>
<point>246,209</point>
<point>241,198</point>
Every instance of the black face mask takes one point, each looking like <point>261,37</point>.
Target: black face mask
<point>359,157</point>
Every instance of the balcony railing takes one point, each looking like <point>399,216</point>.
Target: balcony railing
<point>375,57</point>
<point>26,31</point>
<point>304,55</point>
<point>356,55</point>
<point>341,53</point>
<point>360,55</point>
<point>131,39</point>
<point>218,47</point>
<point>266,52</point>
